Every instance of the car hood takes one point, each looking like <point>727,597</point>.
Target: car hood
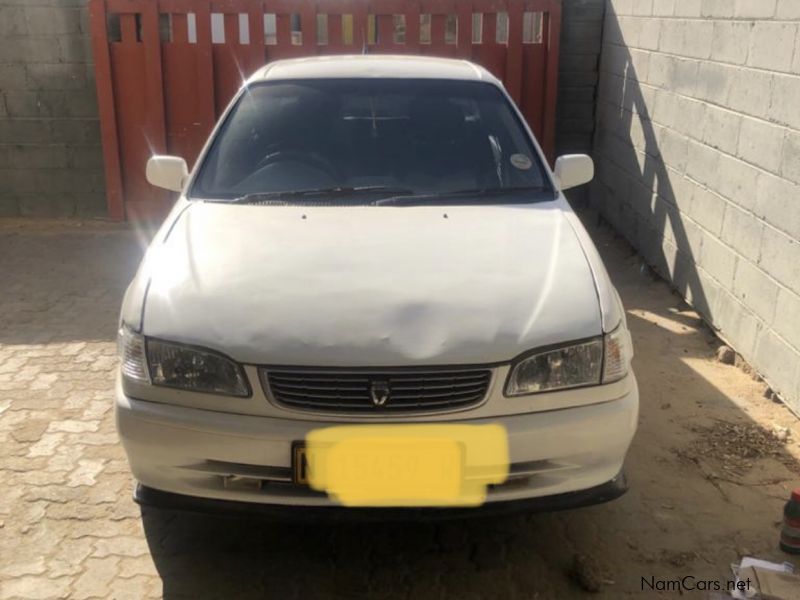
<point>370,286</point>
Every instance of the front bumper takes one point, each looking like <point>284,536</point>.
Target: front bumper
<point>246,458</point>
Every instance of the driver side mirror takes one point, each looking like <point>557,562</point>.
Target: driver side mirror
<point>573,170</point>
<point>168,172</point>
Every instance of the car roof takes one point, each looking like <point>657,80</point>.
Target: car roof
<point>373,66</point>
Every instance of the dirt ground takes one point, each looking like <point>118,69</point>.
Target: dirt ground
<point>709,469</point>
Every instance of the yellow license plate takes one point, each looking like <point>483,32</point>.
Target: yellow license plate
<point>437,467</point>
<point>403,465</point>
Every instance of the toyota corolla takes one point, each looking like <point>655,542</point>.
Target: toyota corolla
<point>374,244</point>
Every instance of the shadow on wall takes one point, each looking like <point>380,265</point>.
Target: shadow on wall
<point>634,188</point>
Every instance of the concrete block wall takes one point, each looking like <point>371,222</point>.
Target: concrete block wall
<point>51,163</point>
<point>698,157</point>
<point>581,36</point>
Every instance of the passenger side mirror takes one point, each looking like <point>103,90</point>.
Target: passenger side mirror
<point>168,172</point>
<point>573,170</point>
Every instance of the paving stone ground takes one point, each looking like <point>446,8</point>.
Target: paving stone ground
<point>69,529</point>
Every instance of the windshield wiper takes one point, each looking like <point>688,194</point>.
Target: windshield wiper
<point>471,196</point>
<point>331,192</point>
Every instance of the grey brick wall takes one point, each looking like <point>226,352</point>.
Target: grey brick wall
<point>581,35</point>
<point>698,156</point>
<point>50,155</point>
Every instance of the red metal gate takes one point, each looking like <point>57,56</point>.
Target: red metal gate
<point>166,69</point>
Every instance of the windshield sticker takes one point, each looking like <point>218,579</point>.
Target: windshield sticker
<point>522,162</point>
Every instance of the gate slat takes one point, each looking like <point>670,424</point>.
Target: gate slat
<point>105,103</point>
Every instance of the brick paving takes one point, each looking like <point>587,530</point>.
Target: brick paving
<point>69,529</point>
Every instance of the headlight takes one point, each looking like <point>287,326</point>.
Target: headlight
<point>193,369</point>
<point>601,360</point>
<point>571,366</point>
<point>174,365</point>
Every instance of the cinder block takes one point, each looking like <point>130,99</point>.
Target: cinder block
<point>790,164</point>
<point>786,322</point>
<point>796,61</point>
<point>785,104</point>
<point>663,8</point>
<point>698,38</point>
<point>629,29</point>
<point>81,103</point>
<point>16,181</point>
<point>750,92</point>
<point>780,362</point>
<point>12,21</point>
<point>780,257</point>
<point>38,157</point>
<point>688,8</point>
<point>86,157</point>
<point>720,129</point>
<point>755,289</point>
<point>736,181</point>
<point>75,131</point>
<point>772,45</point>
<point>737,323</point>
<point>47,205</point>
<point>649,36</point>
<point>674,148</point>
<point>754,9</point>
<point>673,36</point>
<point>25,49</point>
<point>577,62</point>
<point>702,164</point>
<point>584,10</point>
<point>708,210</point>
<point>665,109</point>
<point>12,77</point>
<point>761,144</point>
<point>75,48</point>
<point>778,203</point>
<point>579,79</point>
<point>728,44</point>
<point>582,36</point>
<point>47,20</point>
<point>642,8</point>
<point>692,112</point>
<point>683,77</point>
<point>620,7</point>
<point>718,260</point>
<point>788,9</point>
<point>717,8</point>
<point>714,82</point>
<point>27,103</point>
<point>56,76</point>
<point>640,63</point>
<point>676,189</point>
<point>9,206</point>
<point>24,131</point>
<point>689,237</point>
<point>91,205</point>
<point>743,231</point>
<point>615,60</point>
<point>660,71</point>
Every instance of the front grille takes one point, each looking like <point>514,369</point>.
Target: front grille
<point>377,391</point>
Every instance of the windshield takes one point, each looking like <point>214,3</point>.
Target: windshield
<point>383,138</point>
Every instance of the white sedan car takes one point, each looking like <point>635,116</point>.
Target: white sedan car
<point>371,240</point>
